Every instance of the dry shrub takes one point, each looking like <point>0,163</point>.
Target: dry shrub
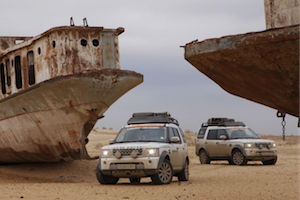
<point>190,137</point>
<point>188,131</point>
<point>99,146</point>
<point>289,140</point>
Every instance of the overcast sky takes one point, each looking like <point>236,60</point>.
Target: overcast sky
<point>150,45</point>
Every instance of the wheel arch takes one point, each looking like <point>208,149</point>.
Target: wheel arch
<point>207,153</point>
<point>240,148</point>
<point>188,160</point>
<point>164,155</point>
<point>99,164</point>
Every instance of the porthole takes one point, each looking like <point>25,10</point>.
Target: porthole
<point>83,42</point>
<point>39,50</point>
<point>53,44</point>
<point>95,42</point>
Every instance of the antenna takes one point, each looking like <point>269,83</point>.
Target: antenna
<point>71,21</point>
<point>85,23</point>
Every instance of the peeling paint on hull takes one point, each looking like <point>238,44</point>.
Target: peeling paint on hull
<point>47,122</point>
<point>54,88</point>
<point>262,67</point>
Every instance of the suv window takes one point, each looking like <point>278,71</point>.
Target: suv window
<point>221,132</point>
<point>142,134</point>
<point>212,134</point>
<point>182,134</point>
<point>173,133</point>
<point>201,133</point>
<point>240,133</point>
<point>215,134</point>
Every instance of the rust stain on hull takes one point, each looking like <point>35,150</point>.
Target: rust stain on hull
<point>262,67</point>
<point>54,88</point>
<point>45,127</point>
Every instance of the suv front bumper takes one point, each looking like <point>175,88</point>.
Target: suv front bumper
<point>129,167</point>
<point>259,155</point>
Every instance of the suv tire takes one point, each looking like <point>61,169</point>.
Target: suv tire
<point>230,162</point>
<point>203,157</point>
<point>184,174</point>
<point>238,158</point>
<point>105,179</point>
<point>269,162</point>
<point>164,175</point>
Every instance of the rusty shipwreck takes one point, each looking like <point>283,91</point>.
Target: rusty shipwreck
<point>54,88</point>
<point>259,66</point>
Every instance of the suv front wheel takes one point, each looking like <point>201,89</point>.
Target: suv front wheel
<point>164,175</point>
<point>184,174</point>
<point>105,179</point>
<point>238,158</point>
<point>203,157</point>
<point>269,162</point>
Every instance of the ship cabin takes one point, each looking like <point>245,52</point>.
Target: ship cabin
<point>60,51</point>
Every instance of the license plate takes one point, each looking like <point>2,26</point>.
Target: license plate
<point>126,166</point>
<point>266,153</point>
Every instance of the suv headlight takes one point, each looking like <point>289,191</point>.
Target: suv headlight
<point>271,145</point>
<point>248,145</point>
<point>105,153</point>
<point>153,152</point>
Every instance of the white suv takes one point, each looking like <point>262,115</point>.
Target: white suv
<point>225,139</point>
<point>151,145</point>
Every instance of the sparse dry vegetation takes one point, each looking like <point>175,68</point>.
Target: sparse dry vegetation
<point>190,138</point>
<point>64,180</point>
<point>289,140</point>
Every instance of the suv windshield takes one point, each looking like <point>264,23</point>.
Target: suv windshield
<point>142,134</point>
<point>241,133</point>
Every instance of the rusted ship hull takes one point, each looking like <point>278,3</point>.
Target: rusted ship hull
<point>262,67</point>
<point>54,88</point>
<point>50,121</point>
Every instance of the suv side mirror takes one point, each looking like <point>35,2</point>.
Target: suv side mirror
<point>111,141</point>
<point>223,137</point>
<point>174,139</point>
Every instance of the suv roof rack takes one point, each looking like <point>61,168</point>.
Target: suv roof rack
<point>222,122</point>
<point>152,117</point>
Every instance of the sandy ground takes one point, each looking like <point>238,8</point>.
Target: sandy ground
<point>76,179</point>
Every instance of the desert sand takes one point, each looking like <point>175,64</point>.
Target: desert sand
<point>77,180</point>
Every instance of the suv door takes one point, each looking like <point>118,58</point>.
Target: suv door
<point>215,146</point>
<point>177,153</point>
<point>200,139</point>
<point>222,146</point>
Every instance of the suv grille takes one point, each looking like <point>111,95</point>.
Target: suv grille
<point>263,145</point>
<point>127,152</point>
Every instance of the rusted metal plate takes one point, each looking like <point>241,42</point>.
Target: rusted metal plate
<point>62,51</point>
<point>46,123</point>
<point>54,88</point>
<point>281,13</point>
<point>262,67</point>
